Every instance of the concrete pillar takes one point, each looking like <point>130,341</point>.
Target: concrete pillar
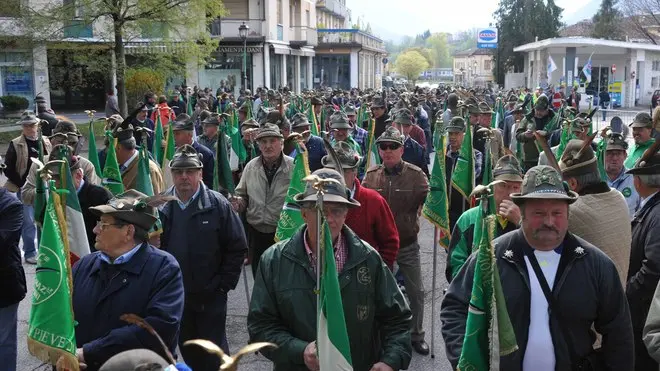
<point>257,71</point>
<point>284,76</point>
<point>310,73</point>
<point>630,83</point>
<point>570,67</point>
<point>355,70</point>
<point>267,66</point>
<point>296,76</point>
<point>40,79</point>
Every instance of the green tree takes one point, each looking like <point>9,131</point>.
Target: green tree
<point>520,22</point>
<point>424,52</point>
<point>167,23</point>
<point>411,64</point>
<point>607,21</point>
<point>439,50</point>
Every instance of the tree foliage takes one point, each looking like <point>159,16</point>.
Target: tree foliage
<point>433,46</point>
<point>411,64</point>
<point>172,26</point>
<point>642,18</point>
<point>520,22</point>
<point>607,21</point>
<point>141,80</point>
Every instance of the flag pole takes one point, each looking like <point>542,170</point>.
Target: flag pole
<point>435,273</point>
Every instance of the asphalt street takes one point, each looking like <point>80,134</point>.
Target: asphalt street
<point>238,306</point>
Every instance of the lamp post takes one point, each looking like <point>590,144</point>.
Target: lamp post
<point>474,73</point>
<point>243,33</point>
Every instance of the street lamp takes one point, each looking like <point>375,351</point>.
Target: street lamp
<point>474,73</point>
<point>243,33</point>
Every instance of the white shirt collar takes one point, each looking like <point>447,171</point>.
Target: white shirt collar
<point>645,200</point>
<point>130,160</point>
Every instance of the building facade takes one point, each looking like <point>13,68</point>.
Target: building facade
<point>438,74</point>
<point>473,67</point>
<point>280,46</point>
<point>632,81</point>
<point>345,57</point>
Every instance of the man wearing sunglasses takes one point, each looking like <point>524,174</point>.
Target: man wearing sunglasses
<point>404,186</point>
<point>65,133</point>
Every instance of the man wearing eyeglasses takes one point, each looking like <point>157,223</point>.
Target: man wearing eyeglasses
<point>404,186</point>
<point>211,266</point>
<point>125,275</point>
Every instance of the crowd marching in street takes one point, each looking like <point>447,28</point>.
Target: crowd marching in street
<point>547,225</point>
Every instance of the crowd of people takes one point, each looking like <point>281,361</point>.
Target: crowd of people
<point>575,246</point>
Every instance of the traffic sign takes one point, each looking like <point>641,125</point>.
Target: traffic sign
<point>613,68</point>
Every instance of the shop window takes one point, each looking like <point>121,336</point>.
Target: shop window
<point>654,81</point>
<point>655,66</point>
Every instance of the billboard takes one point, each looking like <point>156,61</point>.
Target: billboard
<point>487,38</point>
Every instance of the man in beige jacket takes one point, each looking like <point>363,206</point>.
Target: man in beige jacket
<point>65,132</point>
<point>599,214</point>
<point>262,190</point>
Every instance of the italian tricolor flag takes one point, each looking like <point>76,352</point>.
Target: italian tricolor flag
<point>332,338</point>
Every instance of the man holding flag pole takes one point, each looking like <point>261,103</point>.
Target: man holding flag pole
<point>504,289</point>
<point>359,299</point>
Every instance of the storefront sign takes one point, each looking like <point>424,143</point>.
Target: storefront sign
<point>239,49</point>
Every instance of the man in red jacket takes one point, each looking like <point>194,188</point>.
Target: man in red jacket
<point>373,222</point>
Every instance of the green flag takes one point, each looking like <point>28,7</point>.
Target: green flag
<point>311,117</point>
<point>487,314</point>
<point>373,158</point>
<point>238,153</point>
<point>435,207</point>
<point>189,106</point>
<point>143,184</point>
<point>170,148</point>
<point>111,174</point>
<point>462,178</point>
<point>222,176</point>
<point>488,177</point>
<point>290,217</point>
<point>51,334</point>
<point>334,349</point>
<point>157,145</point>
<point>93,155</point>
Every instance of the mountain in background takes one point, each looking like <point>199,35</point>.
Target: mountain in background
<point>585,12</point>
<point>386,35</point>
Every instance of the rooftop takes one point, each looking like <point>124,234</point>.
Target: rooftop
<point>473,51</point>
<point>577,41</point>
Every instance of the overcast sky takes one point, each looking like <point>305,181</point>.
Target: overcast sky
<point>411,17</point>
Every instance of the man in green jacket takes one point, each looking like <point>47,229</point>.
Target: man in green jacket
<point>283,306</point>
<point>642,128</point>
<point>509,172</point>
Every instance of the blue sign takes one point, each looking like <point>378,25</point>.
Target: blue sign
<point>487,38</point>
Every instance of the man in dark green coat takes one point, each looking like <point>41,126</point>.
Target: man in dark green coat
<point>283,306</point>
<point>509,173</point>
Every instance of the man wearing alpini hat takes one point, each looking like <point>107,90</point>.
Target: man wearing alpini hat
<point>373,221</point>
<point>642,128</point>
<point>125,275</point>
<point>283,306</point>
<point>507,176</point>
<point>586,292</point>
<point>597,214</point>
<point>643,272</point>
<point>404,186</point>
<point>211,265</point>
<point>617,178</point>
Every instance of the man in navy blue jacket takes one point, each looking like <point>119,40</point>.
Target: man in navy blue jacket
<point>183,134</point>
<point>211,266</point>
<point>12,275</point>
<point>125,275</point>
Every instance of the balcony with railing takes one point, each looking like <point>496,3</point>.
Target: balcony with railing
<point>303,36</point>
<point>334,7</point>
<point>228,28</point>
<point>350,37</point>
